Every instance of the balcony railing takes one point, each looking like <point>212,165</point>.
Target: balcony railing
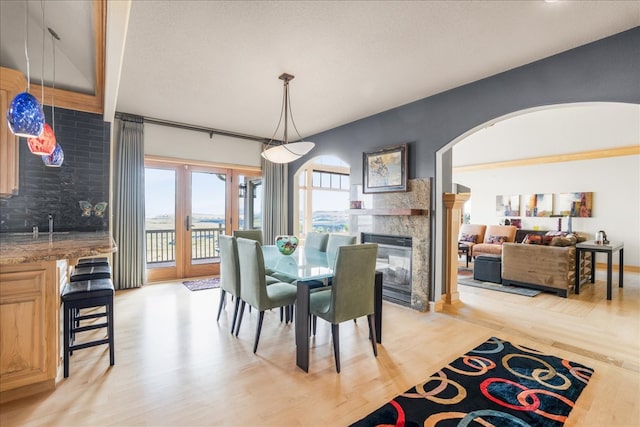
<point>161,244</point>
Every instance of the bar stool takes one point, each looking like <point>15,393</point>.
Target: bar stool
<point>89,269</point>
<point>93,262</point>
<point>87,294</point>
<point>90,272</point>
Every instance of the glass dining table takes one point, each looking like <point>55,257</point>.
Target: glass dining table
<point>310,269</point>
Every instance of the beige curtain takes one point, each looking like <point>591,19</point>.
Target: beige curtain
<point>129,269</point>
<point>275,200</point>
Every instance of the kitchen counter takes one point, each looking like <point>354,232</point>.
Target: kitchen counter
<point>20,248</point>
<point>33,270</point>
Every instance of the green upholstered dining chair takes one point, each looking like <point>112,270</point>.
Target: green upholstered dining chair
<point>257,236</point>
<point>272,276</point>
<point>316,241</point>
<point>351,295</point>
<point>249,234</point>
<point>229,275</point>
<point>253,286</point>
<point>336,240</point>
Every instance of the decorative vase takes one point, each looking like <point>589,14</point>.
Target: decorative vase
<point>286,244</point>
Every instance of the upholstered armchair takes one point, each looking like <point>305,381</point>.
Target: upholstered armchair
<point>494,237</point>
<point>351,294</point>
<point>471,234</point>
<point>253,285</point>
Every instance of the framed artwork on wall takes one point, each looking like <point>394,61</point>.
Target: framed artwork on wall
<point>539,205</point>
<point>508,205</point>
<point>576,204</point>
<point>385,170</point>
<point>544,204</point>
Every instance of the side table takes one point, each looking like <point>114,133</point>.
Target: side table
<point>610,248</point>
<point>463,249</point>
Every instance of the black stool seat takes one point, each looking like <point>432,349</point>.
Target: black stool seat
<point>87,289</point>
<point>86,262</point>
<point>91,273</point>
<point>83,294</point>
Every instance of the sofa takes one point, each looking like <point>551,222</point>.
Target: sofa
<point>494,237</point>
<point>548,268</point>
<point>470,235</point>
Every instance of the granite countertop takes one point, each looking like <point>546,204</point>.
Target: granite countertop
<point>20,248</point>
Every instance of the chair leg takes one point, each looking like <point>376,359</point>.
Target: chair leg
<point>223,294</point>
<point>335,335</point>
<point>242,304</point>
<point>314,323</point>
<point>235,315</point>
<point>258,329</point>
<point>372,333</point>
<point>289,311</point>
<point>281,314</point>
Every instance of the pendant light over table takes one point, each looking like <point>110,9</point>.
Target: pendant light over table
<point>286,152</point>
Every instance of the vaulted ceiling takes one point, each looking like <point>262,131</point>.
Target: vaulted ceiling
<point>216,63</point>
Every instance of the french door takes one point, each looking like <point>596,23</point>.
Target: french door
<point>187,208</point>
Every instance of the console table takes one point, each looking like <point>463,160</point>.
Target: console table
<point>609,248</point>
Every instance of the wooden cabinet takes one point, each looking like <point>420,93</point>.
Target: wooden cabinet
<point>11,83</point>
<point>29,331</point>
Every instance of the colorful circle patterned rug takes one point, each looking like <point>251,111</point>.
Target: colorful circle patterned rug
<point>495,384</point>
<point>201,284</point>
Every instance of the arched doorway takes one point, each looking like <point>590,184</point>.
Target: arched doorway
<point>549,148</point>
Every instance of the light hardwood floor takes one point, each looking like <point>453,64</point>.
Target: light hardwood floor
<point>176,366</point>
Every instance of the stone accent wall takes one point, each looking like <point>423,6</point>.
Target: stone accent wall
<point>417,196</point>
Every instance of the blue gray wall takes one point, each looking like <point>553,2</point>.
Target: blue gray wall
<point>606,70</point>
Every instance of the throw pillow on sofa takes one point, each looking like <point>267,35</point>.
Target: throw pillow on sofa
<point>532,239</point>
<point>466,237</point>
<point>568,240</point>
<point>496,240</point>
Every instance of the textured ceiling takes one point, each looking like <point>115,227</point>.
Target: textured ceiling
<point>216,63</point>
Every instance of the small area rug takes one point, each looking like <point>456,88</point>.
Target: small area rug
<point>498,287</point>
<point>495,384</point>
<point>198,285</point>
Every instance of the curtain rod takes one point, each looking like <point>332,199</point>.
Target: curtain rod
<point>178,125</point>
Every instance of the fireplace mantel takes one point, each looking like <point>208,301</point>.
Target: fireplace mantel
<point>393,211</point>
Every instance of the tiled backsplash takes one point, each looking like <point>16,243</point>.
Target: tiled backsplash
<point>84,176</point>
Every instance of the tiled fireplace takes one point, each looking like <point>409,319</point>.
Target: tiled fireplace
<point>402,215</point>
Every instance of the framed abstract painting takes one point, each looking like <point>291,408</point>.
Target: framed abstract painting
<point>508,205</point>
<point>385,170</point>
